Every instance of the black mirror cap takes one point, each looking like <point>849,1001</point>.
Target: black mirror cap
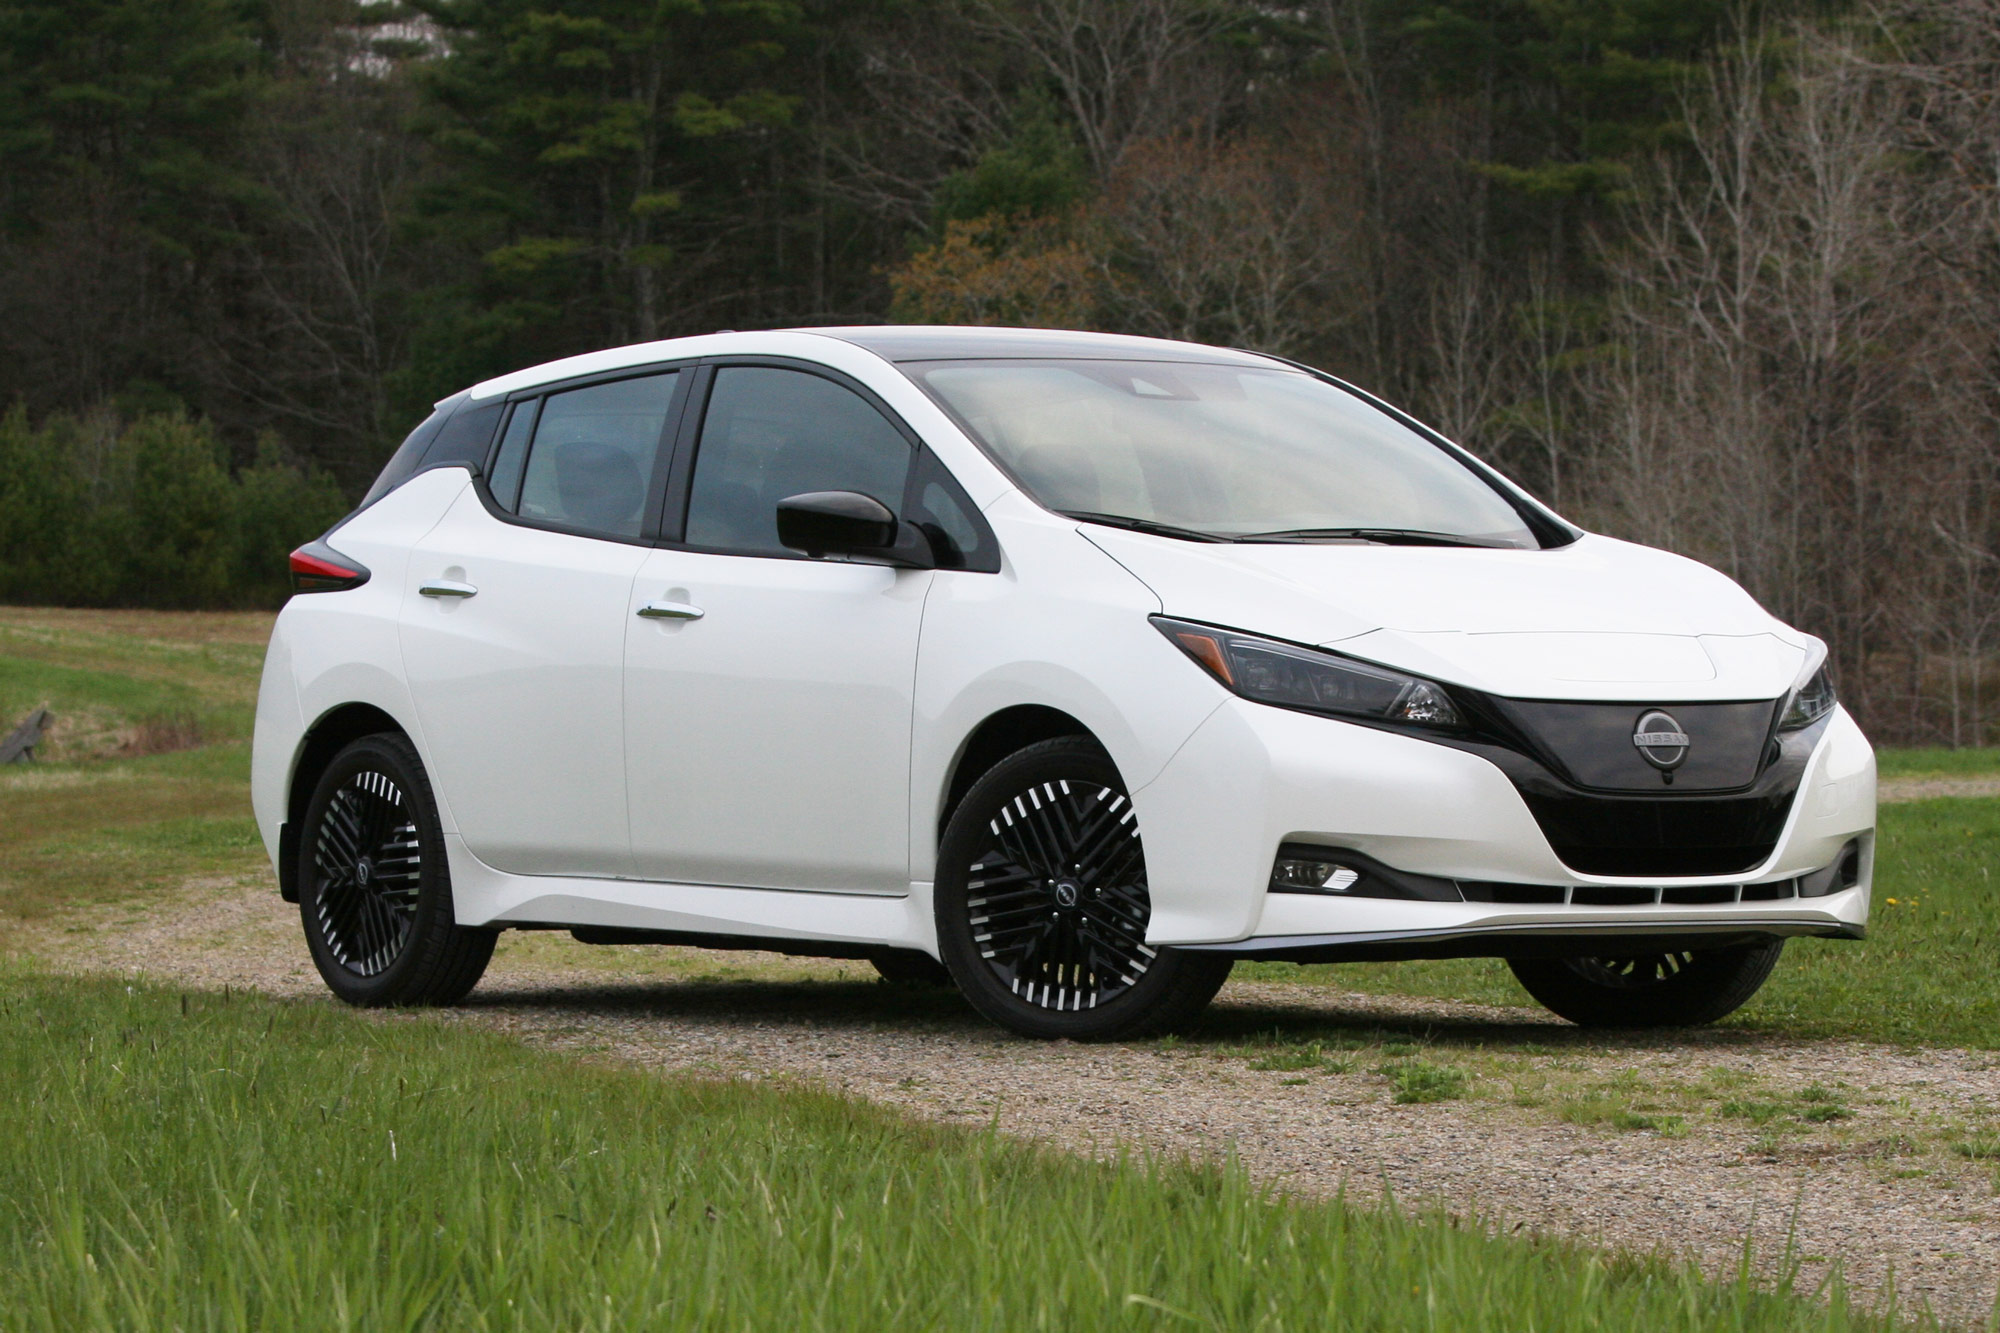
<point>848,523</point>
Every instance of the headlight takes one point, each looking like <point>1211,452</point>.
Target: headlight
<point>1292,677</point>
<point>1808,702</point>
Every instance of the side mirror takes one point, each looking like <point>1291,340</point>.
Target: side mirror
<point>848,523</point>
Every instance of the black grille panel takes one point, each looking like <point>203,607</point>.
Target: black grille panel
<point>1666,832</point>
<point>1660,836</point>
<point>1591,744</point>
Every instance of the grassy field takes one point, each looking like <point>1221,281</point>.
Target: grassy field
<point>230,1162</point>
<point>143,781</point>
<point>1916,763</point>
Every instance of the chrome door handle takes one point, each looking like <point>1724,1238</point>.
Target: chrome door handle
<point>671,611</point>
<point>447,588</point>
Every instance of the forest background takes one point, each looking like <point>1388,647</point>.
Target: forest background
<point>1718,277</point>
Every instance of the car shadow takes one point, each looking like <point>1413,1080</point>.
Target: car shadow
<point>1244,1020</point>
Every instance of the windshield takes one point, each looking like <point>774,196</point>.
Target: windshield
<point>1218,452</point>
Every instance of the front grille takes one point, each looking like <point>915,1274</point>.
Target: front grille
<point>1620,895</point>
<point>1553,751</point>
<point>1661,835</point>
<point>1590,744</point>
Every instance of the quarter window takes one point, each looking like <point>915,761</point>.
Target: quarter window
<point>505,481</point>
<point>770,434</point>
<point>591,463</point>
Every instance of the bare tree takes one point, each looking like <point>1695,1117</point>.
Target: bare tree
<point>310,348</point>
<point>1231,241</point>
<point>1778,329</point>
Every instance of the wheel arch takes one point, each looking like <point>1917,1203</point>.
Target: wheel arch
<point>335,730</point>
<point>997,736</point>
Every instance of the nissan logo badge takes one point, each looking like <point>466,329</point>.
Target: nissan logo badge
<point>1661,741</point>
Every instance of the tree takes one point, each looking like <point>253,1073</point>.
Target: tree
<point>591,149</point>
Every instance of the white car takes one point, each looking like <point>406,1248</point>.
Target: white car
<point>1082,665</point>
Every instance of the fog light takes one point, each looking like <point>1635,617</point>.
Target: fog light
<point>1312,876</point>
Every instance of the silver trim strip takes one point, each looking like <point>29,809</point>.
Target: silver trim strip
<point>1257,944</point>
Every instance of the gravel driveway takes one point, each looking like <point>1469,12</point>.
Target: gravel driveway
<point>1881,1190</point>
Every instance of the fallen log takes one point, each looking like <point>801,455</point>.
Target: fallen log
<point>19,747</point>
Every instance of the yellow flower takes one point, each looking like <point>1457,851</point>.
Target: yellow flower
<point>1892,902</point>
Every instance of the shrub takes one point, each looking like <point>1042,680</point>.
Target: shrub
<point>95,513</point>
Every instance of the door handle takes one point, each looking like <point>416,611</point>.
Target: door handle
<point>671,611</point>
<point>447,588</point>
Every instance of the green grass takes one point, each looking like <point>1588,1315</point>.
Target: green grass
<point>107,675</point>
<point>1417,1081</point>
<point>1893,763</point>
<point>103,816</point>
<point>230,1162</point>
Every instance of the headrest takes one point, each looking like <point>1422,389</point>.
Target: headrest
<point>599,485</point>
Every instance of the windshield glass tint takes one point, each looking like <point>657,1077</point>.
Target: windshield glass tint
<point>1224,450</point>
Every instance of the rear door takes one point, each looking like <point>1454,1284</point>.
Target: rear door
<point>514,635</point>
<point>768,710</point>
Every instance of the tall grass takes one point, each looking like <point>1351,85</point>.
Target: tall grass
<point>226,1162</point>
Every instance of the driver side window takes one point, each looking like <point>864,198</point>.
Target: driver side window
<point>770,434</point>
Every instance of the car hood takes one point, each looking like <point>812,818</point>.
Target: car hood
<point>1597,619</point>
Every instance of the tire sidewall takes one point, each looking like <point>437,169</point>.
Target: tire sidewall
<point>397,759</point>
<point>1715,983</point>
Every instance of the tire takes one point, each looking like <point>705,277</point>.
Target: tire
<point>374,889</point>
<point>1042,906</point>
<point>910,967</point>
<point>1683,988</point>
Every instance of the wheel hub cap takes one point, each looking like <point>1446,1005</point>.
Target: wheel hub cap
<point>1057,900</point>
<point>368,865</point>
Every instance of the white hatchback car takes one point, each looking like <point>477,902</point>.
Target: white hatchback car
<point>1084,664</point>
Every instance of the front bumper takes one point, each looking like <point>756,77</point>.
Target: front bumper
<point>1253,778</point>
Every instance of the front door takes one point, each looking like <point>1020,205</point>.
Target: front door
<point>767,696</point>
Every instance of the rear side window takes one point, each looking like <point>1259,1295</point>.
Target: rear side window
<point>403,463</point>
<point>770,434</point>
<point>512,456</point>
<point>464,439</point>
<point>591,461</point>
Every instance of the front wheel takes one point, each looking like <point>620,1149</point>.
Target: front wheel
<point>374,890</point>
<point>1681,988</point>
<point>1042,905</point>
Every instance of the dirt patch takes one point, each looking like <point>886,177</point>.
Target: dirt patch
<point>1892,791</point>
<point>1289,1078</point>
<point>164,735</point>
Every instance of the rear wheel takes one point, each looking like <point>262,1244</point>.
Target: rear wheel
<point>1680,988</point>
<point>1042,904</point>
<point>374,889</point>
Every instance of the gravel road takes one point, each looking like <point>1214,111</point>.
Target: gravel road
<point>1880,1191</point>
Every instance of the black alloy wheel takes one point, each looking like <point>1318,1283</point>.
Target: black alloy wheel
<point>374,890</point>
<point>1042,905</point>
<point>1676,988</point>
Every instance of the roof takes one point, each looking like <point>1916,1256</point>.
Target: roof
<point>924,342</point>
<point>891,342</point>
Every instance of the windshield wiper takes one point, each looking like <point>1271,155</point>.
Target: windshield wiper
<point>1146,525</point>
<point>1381,536</point>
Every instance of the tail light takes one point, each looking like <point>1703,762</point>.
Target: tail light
<point>317,567</point>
